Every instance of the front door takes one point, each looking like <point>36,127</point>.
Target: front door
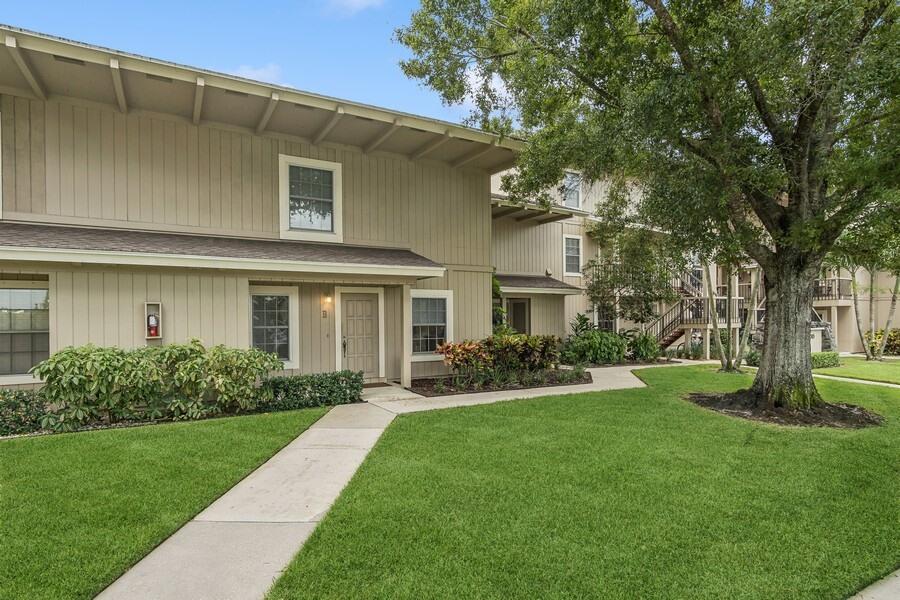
<point>519,314</point>
<point>359,330</point>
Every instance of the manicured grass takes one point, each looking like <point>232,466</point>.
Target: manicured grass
<point>76,510</point>
<point>887,371</point>
<point>627,494</point>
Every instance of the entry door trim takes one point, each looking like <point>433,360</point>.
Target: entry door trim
<point>379,291</point>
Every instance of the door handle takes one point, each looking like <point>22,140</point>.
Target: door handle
<point>344,346</point>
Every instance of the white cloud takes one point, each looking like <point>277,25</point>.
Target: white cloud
<point>270,73</point>
<point>348,8</point>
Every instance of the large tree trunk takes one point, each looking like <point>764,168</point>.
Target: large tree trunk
<point>879,353</point>
<point>784,378</point>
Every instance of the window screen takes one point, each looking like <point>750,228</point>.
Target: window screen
<point>311,194</point>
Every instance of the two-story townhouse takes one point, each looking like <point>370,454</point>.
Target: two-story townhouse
<point>539,254</point>
<point>145,202</point>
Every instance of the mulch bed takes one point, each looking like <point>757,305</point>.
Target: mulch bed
<point>742,404</point>
<point>426,387</point>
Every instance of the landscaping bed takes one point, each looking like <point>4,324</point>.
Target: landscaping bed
<point>743,404</point>
<point>449,385</point>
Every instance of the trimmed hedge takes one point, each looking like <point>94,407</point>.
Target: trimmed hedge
<point>318,389</point>
<point>21,411</point>
<point>91,386</point>
<point>822,360</point>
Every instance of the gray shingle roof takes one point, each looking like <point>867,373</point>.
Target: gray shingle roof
<point>24,235</point>
<point>533,281</point>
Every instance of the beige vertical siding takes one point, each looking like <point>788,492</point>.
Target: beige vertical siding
<point>82,164</point>
<point>547,313</point>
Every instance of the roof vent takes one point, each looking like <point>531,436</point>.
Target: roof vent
<point>159,78</point>
<point>66,59</point>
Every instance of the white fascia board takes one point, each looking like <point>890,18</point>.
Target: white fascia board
<point>210,262</point>
<point>554,291</point>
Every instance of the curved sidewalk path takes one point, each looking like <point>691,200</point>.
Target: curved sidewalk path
<point>239,545</point>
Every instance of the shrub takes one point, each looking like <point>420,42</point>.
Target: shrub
<point>580,324</point>
<point>892,347</point>
<point>501,353</point>
<point>821,360</point>
<point>594,347</point>
<point>21,411</point>
<point>90,384</point>
<point>751,357</point>
<point>522,352</point>
<point>644,347</point>
<point>318,389</point>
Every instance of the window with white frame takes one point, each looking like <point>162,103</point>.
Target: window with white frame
<point>572,255</point>
<point>572,190</point>
<point>432,322</point>
<point>24,325</point>
<point>274,325</point>
<point>310,198</point>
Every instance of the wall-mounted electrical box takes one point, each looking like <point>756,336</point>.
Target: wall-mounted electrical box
<point>153,320</point>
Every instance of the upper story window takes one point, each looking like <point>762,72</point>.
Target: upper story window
<point>572,255</point>
<point>24,326</point>
<point>310,198</point>
<point>572,190</point>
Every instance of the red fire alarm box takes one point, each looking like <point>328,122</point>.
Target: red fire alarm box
<point>153,320</point>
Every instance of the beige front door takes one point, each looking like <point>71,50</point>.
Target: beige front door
<point>359,331</point>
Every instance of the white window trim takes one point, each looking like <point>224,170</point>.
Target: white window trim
<point>25,284</point>
<point>338,334</point>
<point>285,161</point>
<point>448,296</point>
<point>293,294</point>
<point>580,190</point>
<point>567,236</point>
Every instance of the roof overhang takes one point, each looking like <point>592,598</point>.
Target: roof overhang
<point>534,284</point>
<point>154,259</point>
<point>44,67</point>
<point>532,214</point>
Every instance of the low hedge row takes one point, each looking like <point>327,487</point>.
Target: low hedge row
<point>90,386</point>
<point>820,360</point>
<point>318,389</point>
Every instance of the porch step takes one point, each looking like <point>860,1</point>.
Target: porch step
<point>388,392</point>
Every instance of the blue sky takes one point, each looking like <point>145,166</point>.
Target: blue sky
<point>341,48</point>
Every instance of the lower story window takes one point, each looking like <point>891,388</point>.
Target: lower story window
<point>24,328</point>
<point>432,321</point>
<point>273,322</point>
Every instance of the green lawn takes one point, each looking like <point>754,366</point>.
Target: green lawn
<point>76,510</point>
<point>887,371</point>
<point>627,494</point>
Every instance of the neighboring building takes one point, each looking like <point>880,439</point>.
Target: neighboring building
<point>145,202</point>
<point>539,254</point>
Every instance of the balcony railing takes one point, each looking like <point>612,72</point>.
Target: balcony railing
<point>832,288</point>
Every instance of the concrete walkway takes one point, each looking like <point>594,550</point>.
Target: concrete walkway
<point>854,380</point>
<point>239,545</point>
<point>886,589</point>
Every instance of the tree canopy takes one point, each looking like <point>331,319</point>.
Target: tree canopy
<point>759,125</point>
